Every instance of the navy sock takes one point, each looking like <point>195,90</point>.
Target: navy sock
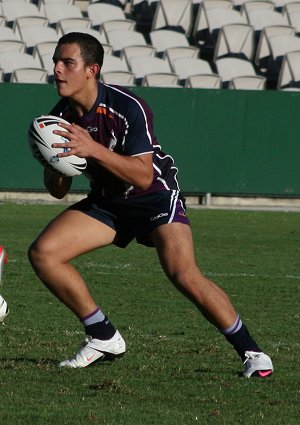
<point>101,330</point>
<point>239,336</point>
<point>98,326</point>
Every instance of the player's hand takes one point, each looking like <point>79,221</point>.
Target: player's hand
<point>79,143</point>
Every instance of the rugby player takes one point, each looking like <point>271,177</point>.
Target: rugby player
<point>134,195</point>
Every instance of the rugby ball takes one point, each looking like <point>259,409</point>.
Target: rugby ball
<point>41,138</point>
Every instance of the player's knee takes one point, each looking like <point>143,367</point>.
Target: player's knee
<point>37,255</point>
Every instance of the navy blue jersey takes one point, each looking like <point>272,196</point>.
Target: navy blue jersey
<point>122,122</point>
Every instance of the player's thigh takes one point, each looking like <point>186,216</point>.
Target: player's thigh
<point>73,233</point>
<point>175,248</point>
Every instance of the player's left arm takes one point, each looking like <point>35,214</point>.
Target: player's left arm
<point>58,186</point>
<point>136,170</point>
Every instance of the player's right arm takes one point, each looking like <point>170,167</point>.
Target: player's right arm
<point>58,186</point>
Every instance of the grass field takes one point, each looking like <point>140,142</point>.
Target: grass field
<point>178,370</point>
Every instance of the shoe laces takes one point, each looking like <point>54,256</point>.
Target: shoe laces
<point>250,356</point>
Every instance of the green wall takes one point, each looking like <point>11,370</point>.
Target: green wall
<point>223,141</point>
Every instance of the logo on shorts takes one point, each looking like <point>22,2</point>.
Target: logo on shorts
<point>159,216</point>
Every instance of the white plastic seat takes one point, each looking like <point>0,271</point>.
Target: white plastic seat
<point>261,20</point>
<point>201,17</point>
<point>44,51</point>
<point>16,9</point>
<point>12,46</point>
<point>289,74</point>
<point>229,68</point>
<point>260,5</point>
<point>164,39</point>
<point>9,61</point>
<point>113,63</point>
<point>24,21</point>
<point>6,33</point>
<point>248,83</point>
<point>291,8</point>
<point>174,13</point>
<point>204,81</point>
<point>264,45</point>
<point>121,78</point>
<point>32,35</point>
<point>78,23</point>
<point>185,67</point>
<point>118,24</point>
<point>129,52</point>
<point>294,20</point>
<point>124,38</point>
<point>235,40</point>
<point>55,13</point>
<point>173,53</point>
<point>161,79</point>
<point>29,75</point>
<point>143,65</point>
<point>99,36</point>
<point>102,12</point>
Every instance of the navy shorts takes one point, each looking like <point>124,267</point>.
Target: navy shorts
<point>135,218</point>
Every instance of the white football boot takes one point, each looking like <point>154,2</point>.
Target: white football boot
<point>4,310</point>
<point>257,364</point>
<point>94,350</point>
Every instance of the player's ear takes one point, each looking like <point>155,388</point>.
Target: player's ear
<point>93,70</point>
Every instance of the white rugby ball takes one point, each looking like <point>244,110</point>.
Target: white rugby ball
<point>41,138</point>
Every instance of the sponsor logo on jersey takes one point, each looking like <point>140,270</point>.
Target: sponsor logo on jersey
<point>104,111</point>
<point>91,129</point>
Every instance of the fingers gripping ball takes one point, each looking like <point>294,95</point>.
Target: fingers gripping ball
<point>41,138</point>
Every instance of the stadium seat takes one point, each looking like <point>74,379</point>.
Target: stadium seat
<point>173,53</point>
<point>294,20</point>
<point>263,51</point>
<point>268,18</point>
<point>164,39</point>
<point>122,78</point>
<point>118,24</point>
<point>6,33</point>
<point>100,36</point>
<point>260,5</point>
<point>29,75</point>
<point>12,46</point>
<point>113,63</point>
<point>143,65</point>
<point>186,67</point>
<point>161,79</point>
<point>204,81</point>
<point>248,83</point>
<point>119,39</point>
<point>77,23</point>
<point>175,14</point>
<point>289,75</point>
<point>9,61</point>
<point>17,9</point>
<point>233,68</point>
<point>235,40</point>
<point>129,52</point>
<point>101,12</point>
<point>33,34</point>
<point>65,10</point>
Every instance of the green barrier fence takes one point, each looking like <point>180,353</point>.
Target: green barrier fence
<point>223,141</point>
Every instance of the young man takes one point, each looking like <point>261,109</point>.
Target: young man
<point>4,310</point>
<point>134,194</point>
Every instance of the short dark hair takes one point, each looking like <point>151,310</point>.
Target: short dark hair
<point>90,48</point>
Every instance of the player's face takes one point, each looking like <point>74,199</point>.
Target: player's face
<point>71,75</point>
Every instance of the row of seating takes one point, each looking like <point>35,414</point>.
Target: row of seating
<point>262,48</point>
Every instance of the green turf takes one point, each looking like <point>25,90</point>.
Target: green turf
<point>178,370</point>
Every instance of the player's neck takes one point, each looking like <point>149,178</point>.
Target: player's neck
<point>83,102</point>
